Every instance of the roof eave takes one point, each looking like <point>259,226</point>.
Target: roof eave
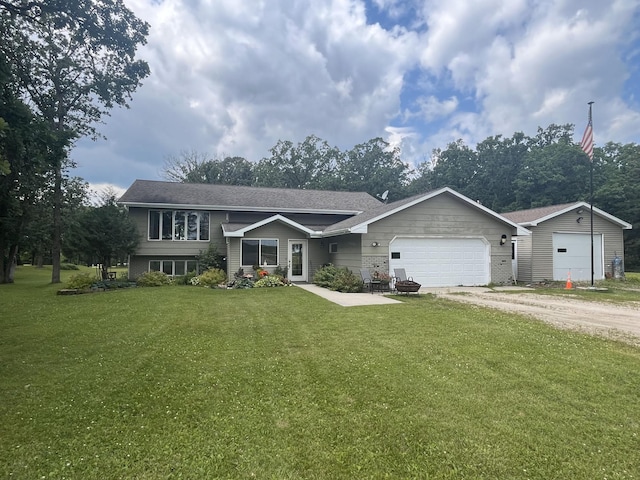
<point>237,208</point>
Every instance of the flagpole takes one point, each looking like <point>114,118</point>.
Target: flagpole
<point>591,197</point>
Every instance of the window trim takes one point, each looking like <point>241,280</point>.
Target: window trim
<point>260,254</point>
<point>162,263</point>
<point>333,247</point>
<point>203,219</point>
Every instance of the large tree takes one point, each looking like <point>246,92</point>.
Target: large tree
<point>310,164</point>
<point>73,61</point>
<point>191,166</point>
<point>374,167</point>
<point>22,174</point>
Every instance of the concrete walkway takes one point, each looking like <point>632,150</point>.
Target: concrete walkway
<point>361,299</point>
<point>348,299</point>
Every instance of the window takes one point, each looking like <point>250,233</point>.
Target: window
<point>173,267</point>
<point>259,251</point>
<point>178,225</point>
<point>395,255</point>
<point>333,248</point>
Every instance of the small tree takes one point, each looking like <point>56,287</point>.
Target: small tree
<point>102,233</point>
<point>210,258</point>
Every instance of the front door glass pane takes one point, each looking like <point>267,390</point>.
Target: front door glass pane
<point>296,259</point>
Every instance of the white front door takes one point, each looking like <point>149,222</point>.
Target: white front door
<point>297,261</point>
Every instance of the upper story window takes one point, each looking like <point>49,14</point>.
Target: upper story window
<point>178,225</point>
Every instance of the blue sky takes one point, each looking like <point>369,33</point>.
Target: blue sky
<point>232,77</point>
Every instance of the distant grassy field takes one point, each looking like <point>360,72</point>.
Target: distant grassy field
<point>187,382</point>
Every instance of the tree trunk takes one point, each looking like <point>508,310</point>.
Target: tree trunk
<point>8,265</point>
<point>56,243</point>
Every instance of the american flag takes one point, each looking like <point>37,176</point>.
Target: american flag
<point>587,139</point>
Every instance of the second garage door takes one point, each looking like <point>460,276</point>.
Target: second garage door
<point>442,262</point>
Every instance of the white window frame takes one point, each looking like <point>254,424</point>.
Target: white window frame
<point>163,263</point>
<point>260,255</point>
<point>200,232</point>
<point>333,247</point>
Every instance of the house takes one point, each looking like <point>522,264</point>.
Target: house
<point>560,242</point>
<point>441,238</point>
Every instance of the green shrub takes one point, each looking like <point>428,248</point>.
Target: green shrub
<point>243,283</point>
<point>324,276</point>
<point>81,281</point>
<point>185,279</point>
<point>338,279</point>
<point>153,279</point>
<point>346,281</point>
<point>269,281</point>
<point>211,278</point>
<point>281,271</point>
<point>69,266</point>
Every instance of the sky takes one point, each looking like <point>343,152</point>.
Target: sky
<point>233,77</point>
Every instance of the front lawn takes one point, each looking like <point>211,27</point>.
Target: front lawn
<point>276,383</point>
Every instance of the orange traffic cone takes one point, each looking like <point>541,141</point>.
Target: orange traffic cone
<point>569,285</point>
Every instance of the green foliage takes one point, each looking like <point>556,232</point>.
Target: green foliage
<point>153,279</point>
<point>185,279</point>
<point>346,281</point>
<point>69,266</point>
<point>210,258</point>
<point>242,283</point>
<point>211,278</point>
<point>281,271</point>
<point>81,281</point>
<point>325,276</point>
<point>101,234</point>
<point>269,281</point>
<point>338,279</point>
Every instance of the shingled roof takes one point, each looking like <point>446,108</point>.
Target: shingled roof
<point>533,216</point>
<point>150,193</point>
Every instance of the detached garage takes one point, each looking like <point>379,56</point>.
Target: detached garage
<point>572,254</point>
<point>560,242</point>
<point>443,261</point>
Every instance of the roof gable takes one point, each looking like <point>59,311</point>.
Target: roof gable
<point>231,230</point>
<point>156,194</point>
<point>360,223</point>
<point>534,216</point>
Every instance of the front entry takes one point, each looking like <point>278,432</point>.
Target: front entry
<point>297,260</point>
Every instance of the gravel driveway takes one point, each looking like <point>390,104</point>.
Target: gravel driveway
<point>619,321</point>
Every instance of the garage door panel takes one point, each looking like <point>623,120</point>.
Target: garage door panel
<point>436,262</point>
<point>572,253</point>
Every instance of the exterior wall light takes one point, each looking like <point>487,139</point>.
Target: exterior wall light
<point>375,244</point>
<point>503,239</point>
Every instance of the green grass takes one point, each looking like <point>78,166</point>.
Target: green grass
<point>185,382</point>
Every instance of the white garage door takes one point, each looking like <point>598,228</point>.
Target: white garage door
<point>572,253</point>
<point>442,262</point>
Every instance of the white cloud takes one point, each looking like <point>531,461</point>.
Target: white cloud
<point>232,78</point>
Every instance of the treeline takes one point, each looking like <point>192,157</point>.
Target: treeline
<point>502,173</point>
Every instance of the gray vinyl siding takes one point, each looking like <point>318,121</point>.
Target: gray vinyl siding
<point>317,249</point>
<point>163,248</point>
<point>349,252</point>
<point>523,246</point>
<point>542,250</point>
<point>443,216</point>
